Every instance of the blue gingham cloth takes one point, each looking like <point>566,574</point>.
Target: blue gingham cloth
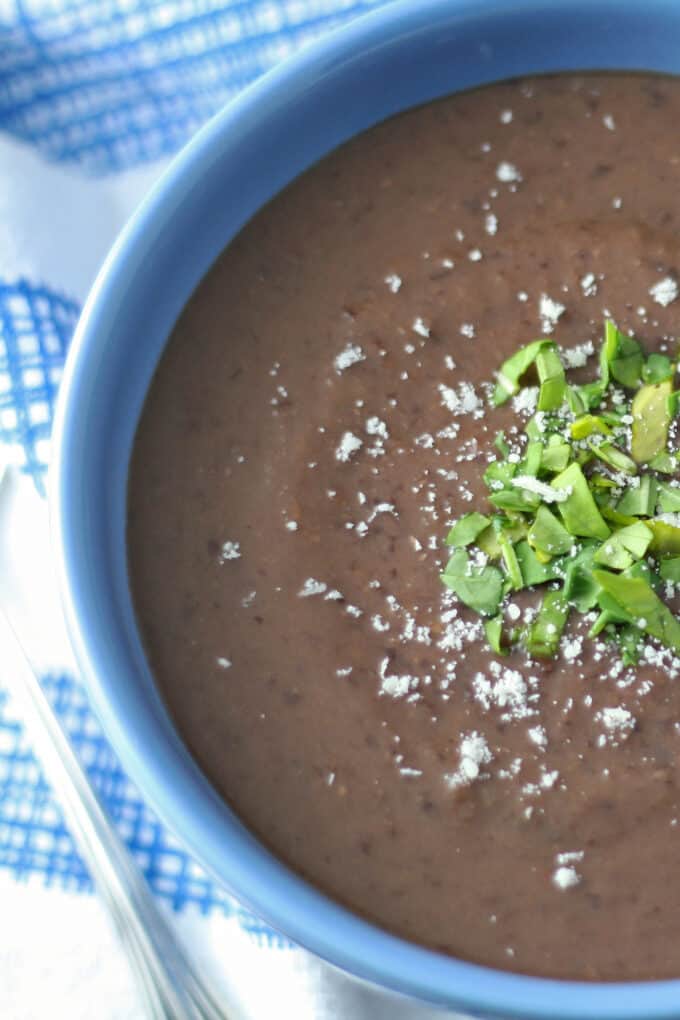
<point>95,97</point>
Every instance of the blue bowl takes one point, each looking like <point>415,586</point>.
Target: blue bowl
<point>404,54</point>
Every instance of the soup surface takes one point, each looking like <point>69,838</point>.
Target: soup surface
<point>319,419</point>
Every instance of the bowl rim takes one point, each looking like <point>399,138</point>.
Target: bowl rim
<point>268,887</point>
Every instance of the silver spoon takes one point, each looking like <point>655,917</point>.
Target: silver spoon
<point>171,987</point>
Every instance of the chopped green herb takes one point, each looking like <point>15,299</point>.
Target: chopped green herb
<point>630,642</point>
<point>640,500</point>
<point>511,371</point>
<point>546,630</point>
<point>501,445</point>
<point>510,561</point>
<point>580,589</point>
<point>577,507</point>
<point>548,536</point>
<point>577,499</point>
<point>493,629</point>
<point>534,571</point>
<point>658,368</point>
<point>624,355</point>
<point>588,424</point>
<point>666,537</point>
<point>651,418</point>
<point>480,588</point>
<point>670,570</point>
<point>639,600</point>
<point>614,457</point>
<point>624,547</point>
<point>467,529</point>
<point>664,462</point>
<point>551,378</point>
<point>555,455</point>
<point>668,499</point>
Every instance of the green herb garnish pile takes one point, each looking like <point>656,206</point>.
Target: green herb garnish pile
<point>583,503</point>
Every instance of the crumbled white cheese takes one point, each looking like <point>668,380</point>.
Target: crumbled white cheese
<point>376,427</point>
<point>526,400</point>
<point>467,329</point>
<point>569,857</point>
<point>420,327</point>
<point>538,736</point>
<point>665,291</point>
<point>473,752</point>
<point>230,551</point>
<point>506,116</point>
<point>608,122</point>
<point>507,173</point>
<point>351,355</point>
<point>565,877</point>
<point>542,489</point>
<point>549,311</point>
<point>571,648</point>
<point>291,525</point>
<point>475,255</point>
<point>576,357</point>
<point>669,518</point>
<point>618,722</point>
<point>393,282</point>
<point>349,444</point>
<point>464,400</point>
<point>392,684</point>
<point>507,690</point>
<point>222,662</point>
<point>589,285</point>
<point>491,224</point>
<point>312,587</point>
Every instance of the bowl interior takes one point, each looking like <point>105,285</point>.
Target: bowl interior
<point>405,54</point>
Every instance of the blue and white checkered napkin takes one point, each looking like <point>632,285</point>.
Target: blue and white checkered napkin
<point>95,96</point>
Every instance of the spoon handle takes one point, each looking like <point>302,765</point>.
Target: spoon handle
<point>171,987</point>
